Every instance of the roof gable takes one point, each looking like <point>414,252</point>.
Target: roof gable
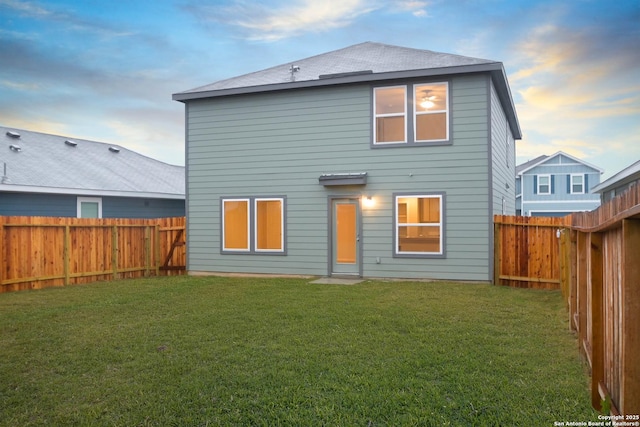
<point>556,159</point>
<point>57,164</point>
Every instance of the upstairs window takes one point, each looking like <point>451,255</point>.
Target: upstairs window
<point>577,184</point>
<point>543,185</point>
<point>431,111</point>
<point>390,115</point>
<point>411,115</point>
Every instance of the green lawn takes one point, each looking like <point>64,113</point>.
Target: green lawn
<point>189,351</point>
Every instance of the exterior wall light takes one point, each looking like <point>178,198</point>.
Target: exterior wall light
<point>368,202</point>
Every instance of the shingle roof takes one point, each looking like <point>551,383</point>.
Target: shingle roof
<point>625,176</point>
<point>40,162</point>
<point>363,57</point>
<point>364,62</point>
<point>527,165</point>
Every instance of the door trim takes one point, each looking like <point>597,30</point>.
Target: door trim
<point>330,202</point>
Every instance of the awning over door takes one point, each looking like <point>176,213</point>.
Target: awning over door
<point>329,179</point>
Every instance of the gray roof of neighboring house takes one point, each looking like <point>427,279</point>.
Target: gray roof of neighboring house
<point>625,176</point>
<point>527,165</point>
<point>42,163</point>
<point>364,62</point>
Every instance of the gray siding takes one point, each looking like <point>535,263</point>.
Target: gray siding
<point>61,205</point>
<point>503,157</point>
<point>280,143</point>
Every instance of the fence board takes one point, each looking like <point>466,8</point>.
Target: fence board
<point>40,252</point>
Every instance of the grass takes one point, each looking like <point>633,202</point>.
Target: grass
<point>189,351</point>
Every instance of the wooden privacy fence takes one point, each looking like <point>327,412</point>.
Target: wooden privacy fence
<point>39,252</point>
<point>603,296</point>
<point>527,251</point>
<point>594,258</point>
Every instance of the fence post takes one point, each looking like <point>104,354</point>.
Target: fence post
<point>3,245</point>
<point>66,253</point>
<point>597,320</point>
<point>147,251</point>
<point>630,369</point>
<point>497,250</point>
<point>157,249</point>
<point>114,251</point>
<point>581,288</point>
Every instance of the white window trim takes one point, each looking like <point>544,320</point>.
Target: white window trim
<point>224,248</point>
<point>582,184</point>
<point>549,185</point>
<point>255,224</point>
<point>439,224</point>
<point>376,115</point>
<point>82,200</point>
<point>417,113</point>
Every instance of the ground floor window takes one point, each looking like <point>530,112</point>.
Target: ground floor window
<point>89,207</point>
<point>253,225</point>
<point>419,224</point>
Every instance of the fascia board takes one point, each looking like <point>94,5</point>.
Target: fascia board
<point>86,192</point>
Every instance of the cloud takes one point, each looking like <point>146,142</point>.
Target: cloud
<point>415,7</point>
<point>576,89</point>
<point>284,19</point>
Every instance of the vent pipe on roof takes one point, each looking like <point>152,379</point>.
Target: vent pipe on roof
<point>71,143</point>
<point>114,149</point>
<point>15,148</point>
<point>13,134</point>
<point>5,178</point>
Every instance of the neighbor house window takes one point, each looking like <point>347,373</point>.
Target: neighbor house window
<point>390,114</point>
<point>89,207</point>
<point>431,110</point>
<point>544,184</point>
<point>403,119</point>
<point>419,225</point>
<point>577,184</point>
<point>253,225</point>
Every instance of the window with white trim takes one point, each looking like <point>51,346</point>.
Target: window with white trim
<point>390,104</point>
<point>577,183</point>
<point>89,207</point>
<point>253,225</point>
<point>419,119</point>
<point>544,184</point>
<point>419,225</point>
<point>431,111</point>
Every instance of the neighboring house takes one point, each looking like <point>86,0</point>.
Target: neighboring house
<point>556,185</point>
<point>618,183</point>
<point>49,175</point>
<point>372,160</point>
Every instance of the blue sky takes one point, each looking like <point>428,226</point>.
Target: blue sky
<point>106,70</point>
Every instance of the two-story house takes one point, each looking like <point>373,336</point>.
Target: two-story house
<point>556,185</point>
<point>370,161</point>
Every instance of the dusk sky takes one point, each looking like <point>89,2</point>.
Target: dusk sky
<point>106,70</point>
